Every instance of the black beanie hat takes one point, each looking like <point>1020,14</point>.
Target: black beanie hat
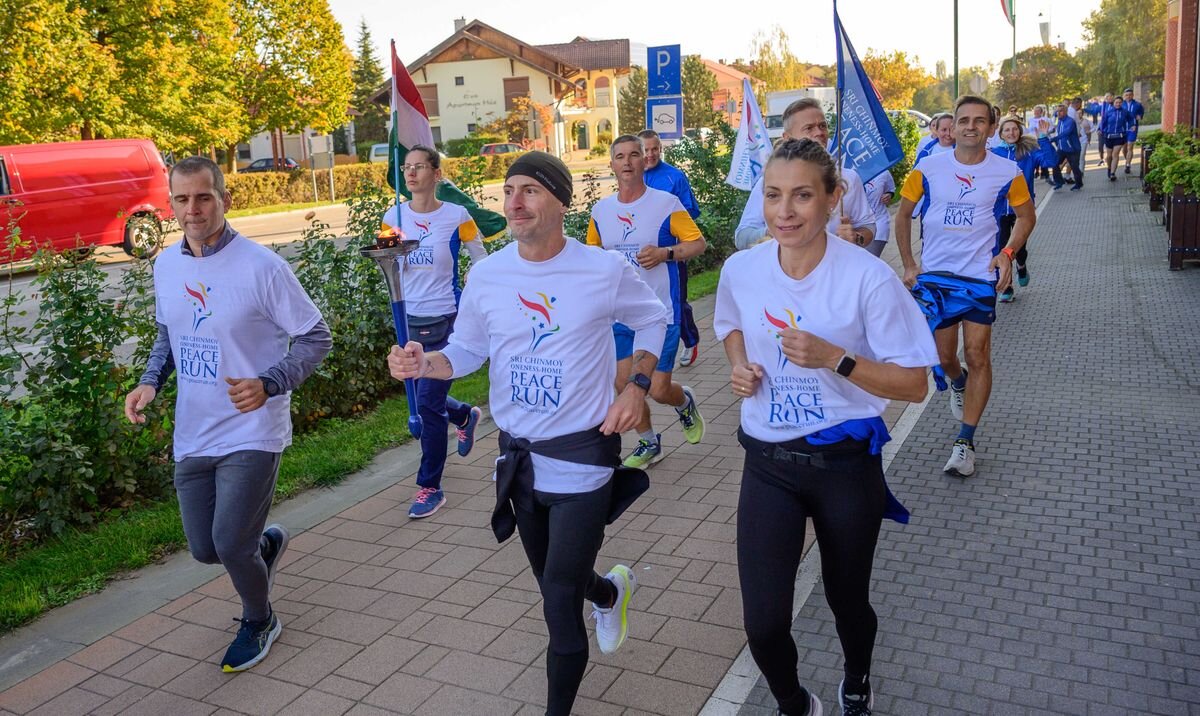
<point>548,170</point>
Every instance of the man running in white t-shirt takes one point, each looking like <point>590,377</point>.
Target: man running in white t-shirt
<point>957,193</point>
<point>854,220</point>
<point>541,310</point>
<point>650,229</point>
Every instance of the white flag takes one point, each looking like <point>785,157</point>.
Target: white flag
<point>753,146</point>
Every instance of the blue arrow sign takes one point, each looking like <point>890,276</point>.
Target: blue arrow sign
<point>663,68</point>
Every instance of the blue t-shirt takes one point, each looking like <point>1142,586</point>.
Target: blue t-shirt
<point>670,179</point>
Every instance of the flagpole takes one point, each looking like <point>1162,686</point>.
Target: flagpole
<point>841,89</point>
<point>1012,5</point>
<point>956,90</point>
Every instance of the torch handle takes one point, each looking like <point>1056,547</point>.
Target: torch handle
<point>400,319</point>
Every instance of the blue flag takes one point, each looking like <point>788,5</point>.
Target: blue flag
<point>865,138</point>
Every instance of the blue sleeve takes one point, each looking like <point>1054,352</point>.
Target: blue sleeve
<point>686,197</point>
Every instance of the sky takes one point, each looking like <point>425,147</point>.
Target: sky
<point>925,31</point>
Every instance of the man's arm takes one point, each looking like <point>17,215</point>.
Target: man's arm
<point>302,359</point>
<point>911,193</point>
<point>161,363</point>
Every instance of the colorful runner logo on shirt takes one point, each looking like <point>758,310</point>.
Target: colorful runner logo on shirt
<point>539,313</point>
<point>966,184</point>
<point>424,227</point>
<point>199,300</point>
<point>627,226</point>
<point>779,326</point>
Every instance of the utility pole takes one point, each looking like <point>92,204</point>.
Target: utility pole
<point>1012,4</point>
<point>956,93</point>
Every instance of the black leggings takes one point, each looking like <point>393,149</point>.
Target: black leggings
<point>846,507</point>
<point>562,536</point>
<point>1007,222</point>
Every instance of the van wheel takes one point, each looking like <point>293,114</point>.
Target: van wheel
<point>143,237</point>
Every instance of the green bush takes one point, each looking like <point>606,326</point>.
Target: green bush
<point>66,451</point>
<point>909,135</point>
<point>349,291</point>
<point>1168,150</point>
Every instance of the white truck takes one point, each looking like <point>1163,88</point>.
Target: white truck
<point>777,102</point>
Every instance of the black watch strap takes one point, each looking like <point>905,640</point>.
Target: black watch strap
<point>641,380</point>
<point>270,387</point>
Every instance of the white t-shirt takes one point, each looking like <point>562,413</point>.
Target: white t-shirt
<point>656,218</point>
<point>753,225</point>
<point>229,315</point>
<point>547,329</point>
<point>882,184</point>
<point>960,207</point>
<point>851,299</point>
<point>430,274</point>
<point>1039,126</point>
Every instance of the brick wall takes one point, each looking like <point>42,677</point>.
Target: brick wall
<point>1180,90</point>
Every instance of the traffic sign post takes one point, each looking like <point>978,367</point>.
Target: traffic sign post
<point>665,116</point>
<point>664,91</point>
<point>663,71</point>
<point>320,148</point>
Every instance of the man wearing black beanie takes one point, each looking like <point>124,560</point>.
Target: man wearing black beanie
<point>541,310</point>
<point>548,170</point>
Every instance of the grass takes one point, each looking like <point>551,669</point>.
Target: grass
<point>81,562</point>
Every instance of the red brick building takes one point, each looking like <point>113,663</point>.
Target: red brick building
<point>1181,92</point>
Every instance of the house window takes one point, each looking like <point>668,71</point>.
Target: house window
<point>603,92</point>
<point>471,127</point>
<point>514,87</point>
<point>458,82</point>
<point>429,96</point>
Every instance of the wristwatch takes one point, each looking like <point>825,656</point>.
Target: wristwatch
<point>846,365</point>
<point>270,387</point>
<point>641,380</point>
<point>670,253</point>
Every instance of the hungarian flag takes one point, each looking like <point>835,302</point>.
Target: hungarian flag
<point>410,126</point>
<point>1009,10</point>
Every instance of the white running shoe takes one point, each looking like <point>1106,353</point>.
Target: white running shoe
<point>612,624</point>
<point>957,400</point>
<point>962,459</point>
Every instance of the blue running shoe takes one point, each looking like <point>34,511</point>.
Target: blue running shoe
<point>427,501</point>
<point>466,434</point>
<point>252,643</point>
<point>277,537</point>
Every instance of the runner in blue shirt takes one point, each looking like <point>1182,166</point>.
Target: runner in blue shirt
<point>1136,112</point>
<point>669,178</point>
<point>1114,132</point>
<point>1103,109</point>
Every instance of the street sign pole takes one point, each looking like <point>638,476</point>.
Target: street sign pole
<point>664,91</point>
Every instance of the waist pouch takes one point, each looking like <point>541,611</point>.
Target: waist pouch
<point>430,331</point>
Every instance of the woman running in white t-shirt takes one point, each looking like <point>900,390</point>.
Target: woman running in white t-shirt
<point>820,336</point>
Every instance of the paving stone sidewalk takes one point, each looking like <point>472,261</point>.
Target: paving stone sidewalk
<point>1060,580</point>
<point>1064,578</point>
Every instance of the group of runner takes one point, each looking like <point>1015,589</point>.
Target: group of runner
<point>578,335</point>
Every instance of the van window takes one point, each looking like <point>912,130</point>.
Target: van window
<point>44,169</point>
<point>3,179</point>
<point>381,150</point>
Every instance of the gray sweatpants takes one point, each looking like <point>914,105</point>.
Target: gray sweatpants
<point>224,503</point>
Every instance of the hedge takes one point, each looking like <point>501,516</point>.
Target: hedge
<point>270,188</point>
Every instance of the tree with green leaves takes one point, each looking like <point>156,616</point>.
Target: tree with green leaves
<point>698,84</point>
<point>896,77</point>
<point>938,96</point>
<point>631,102</point>
<point>292,65</point>
<point>1126,40</point>
<point>1044,74</point>
<point>371,125</point>
<point>773,62</point>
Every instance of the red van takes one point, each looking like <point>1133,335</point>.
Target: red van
<point>103,192</point>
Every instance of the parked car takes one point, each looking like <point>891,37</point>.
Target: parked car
<point>379,153</point>
<point>268,165</point>
<point>488,150</point>
<point>920,118</point>
<point>79,195</point>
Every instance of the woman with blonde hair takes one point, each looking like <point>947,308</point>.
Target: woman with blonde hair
<point>1021,148</point>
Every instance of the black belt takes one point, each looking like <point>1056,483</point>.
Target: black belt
<point>823,457</point>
